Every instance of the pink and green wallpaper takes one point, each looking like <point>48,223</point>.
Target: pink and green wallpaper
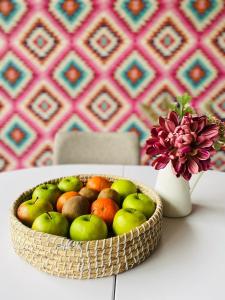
<point>91,65</point>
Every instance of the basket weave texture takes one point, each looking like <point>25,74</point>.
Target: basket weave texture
<point>63,257</point>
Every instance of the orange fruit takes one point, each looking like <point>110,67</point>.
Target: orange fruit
<point>98,183</point>
<point>63,198</point>
<point>105,208</point>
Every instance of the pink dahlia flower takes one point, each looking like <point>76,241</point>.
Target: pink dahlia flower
<point>187,143</point>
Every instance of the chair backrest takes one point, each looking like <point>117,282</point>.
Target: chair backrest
<point>96,148</point>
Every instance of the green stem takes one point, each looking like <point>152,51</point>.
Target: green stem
<point>48,214</point>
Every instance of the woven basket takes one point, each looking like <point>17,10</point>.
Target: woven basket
<point>86,259</point>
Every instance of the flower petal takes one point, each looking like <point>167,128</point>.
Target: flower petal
<point>169,125</point>
<point>173,117</point>
<point>184,149</point>
<point>162,122</point>
<point>187,138</point>
<point>186,175</point>
<point>177,165</point>
<point>160,162</point>
<point>193,167</point>
<point>203,154</point>
<point>194,126</point>
<point>205,165</point>
<point>201,123</point>
<point>152,151</point>
<point>203,142</point>
<point>154,132</point>
<point>151,141</point>
<point>211,131</point>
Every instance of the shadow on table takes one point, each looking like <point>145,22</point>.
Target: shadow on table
<point>208,212</point>
<point>179,237</point>
<point>176,233</point>
<point>175,230</point>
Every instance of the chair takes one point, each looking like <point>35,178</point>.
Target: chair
<point>96,148</point>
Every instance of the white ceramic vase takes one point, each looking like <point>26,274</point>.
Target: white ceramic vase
<point>175,193</point>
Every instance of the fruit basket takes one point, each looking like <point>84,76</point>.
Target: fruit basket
<point>63,257</point>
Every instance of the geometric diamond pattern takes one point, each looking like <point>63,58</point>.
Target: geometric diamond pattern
<point>136,13</point>
<point>215,41</point>
<point>18,135</point>
<point>157,101</point>
<point>168,39</point>
<point>214,104</point>
<point>134,124</point>
<point>44,106</point>
<point>3,163</point>
<point>103,66</point>
<point>218,161</point>
<point>11,12</point>
<point>7,161</point>
<point>103,40</point>
<point>218,105</point>
<point>73,74</point>
<point>3,43</point>
<point>219,41</point>
<point>74,123</point>
<point>201,13</point>
<point>70,13</point>
<point>40,40</point>
<point>44,158</point>
<point>14,74</point>
<point>104,106</point>
<point>42,155</point>
<point>134,74</point>
<point>5,108</point>
<point>197,73</point>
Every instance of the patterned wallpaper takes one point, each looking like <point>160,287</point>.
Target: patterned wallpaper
<point>90,65</point>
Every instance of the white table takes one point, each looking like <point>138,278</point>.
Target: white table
<point>189,262</point>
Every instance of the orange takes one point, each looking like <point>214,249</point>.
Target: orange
<point>63,198</point>
<point>98,183</point>
<point>105,208</point>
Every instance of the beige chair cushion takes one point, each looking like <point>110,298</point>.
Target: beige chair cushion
<point>96,148</point>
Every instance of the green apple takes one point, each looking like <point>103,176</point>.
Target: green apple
<point>70,183</point>
<point>87,228</point>
<point>127,219</point>
<point>124,187</point>
<point>47,192</point>
<point>52,223</point>
<point>29,210</point>
<point>140,202</point>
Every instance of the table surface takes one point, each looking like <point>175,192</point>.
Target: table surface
<point>189,262</point>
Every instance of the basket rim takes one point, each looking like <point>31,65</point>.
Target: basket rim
<point>151,221</point>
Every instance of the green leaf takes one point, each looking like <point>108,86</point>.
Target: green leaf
<point>217,146</point>
<point>171,106</point>
<point>183,105</point>
<point>189,110</point>
<point>184,99</point>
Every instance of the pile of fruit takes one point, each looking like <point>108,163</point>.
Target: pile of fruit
<point>98,210</point>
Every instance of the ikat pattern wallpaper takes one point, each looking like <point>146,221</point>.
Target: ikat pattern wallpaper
<point>90,65</point>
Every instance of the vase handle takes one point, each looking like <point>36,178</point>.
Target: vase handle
<point>197,178</point>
